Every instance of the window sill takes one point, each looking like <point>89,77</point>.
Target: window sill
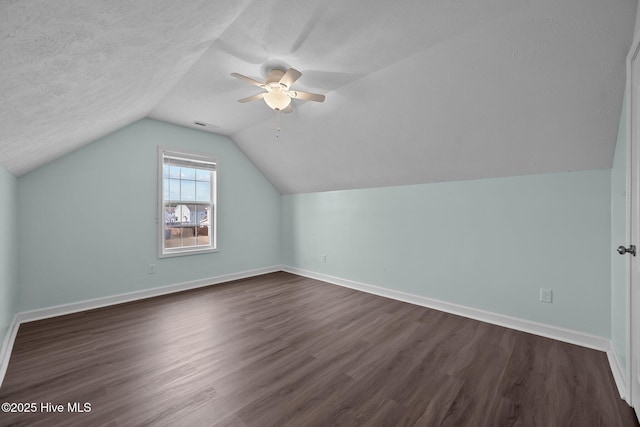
<point>185,252</point>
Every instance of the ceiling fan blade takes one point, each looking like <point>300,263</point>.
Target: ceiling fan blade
<point>306,96</point>
<point>289,109</point>
<point>252,98</point>
<point>290,77</point>
<point>248,79</point>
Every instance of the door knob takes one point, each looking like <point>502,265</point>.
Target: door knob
<point>631,249</point>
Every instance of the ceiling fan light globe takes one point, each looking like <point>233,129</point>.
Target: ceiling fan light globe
<point>277,100</point>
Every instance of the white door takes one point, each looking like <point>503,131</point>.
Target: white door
<point>633,201</point>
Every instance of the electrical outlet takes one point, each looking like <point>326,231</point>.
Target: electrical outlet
<point>546,295</point>
<point>323,257</point>
<point>151,269</point>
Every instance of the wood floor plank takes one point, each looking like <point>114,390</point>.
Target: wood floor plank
<point>284,350</point>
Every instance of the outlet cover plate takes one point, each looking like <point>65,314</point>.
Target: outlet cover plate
<point>546,295</point>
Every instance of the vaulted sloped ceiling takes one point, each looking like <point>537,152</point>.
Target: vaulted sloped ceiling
<point>417,91</point>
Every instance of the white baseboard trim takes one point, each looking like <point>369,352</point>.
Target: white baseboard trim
<point>545,330</point>
<point>549,331</point>
<point>7,346</point>
<point>536,328</point>
<point>75,307</point>
<point>618,373</point>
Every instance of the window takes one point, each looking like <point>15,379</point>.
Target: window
<point>188,212</point>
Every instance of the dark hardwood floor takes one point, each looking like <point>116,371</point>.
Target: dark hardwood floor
<point>282,350</point>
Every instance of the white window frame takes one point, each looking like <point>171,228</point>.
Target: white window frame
<point>213,221</point>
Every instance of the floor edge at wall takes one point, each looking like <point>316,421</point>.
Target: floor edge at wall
<point>618,372</point>
<point>542,329</point>
<point>7,346</point>
<point>75,307</point>
<point>545,330</point>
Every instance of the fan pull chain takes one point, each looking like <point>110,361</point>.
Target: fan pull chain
<point>277,123</point>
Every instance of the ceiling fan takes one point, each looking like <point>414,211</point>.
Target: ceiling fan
<point>278,93</point>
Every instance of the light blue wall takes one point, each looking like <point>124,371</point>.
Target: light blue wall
<point>490,244</point>
<point>619,264</point>
<point>8,244</point>
<point>87,229</point>
<point>87,222</point>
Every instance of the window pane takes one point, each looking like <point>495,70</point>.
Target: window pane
<point>172,237</point>
<point>188,236</point>
<point>182,214</point>
<point>165,171</point>
<point>203,175</point>
<point>174,172</point>
<point>174,189</point>
<point>165,189</point>
<point>168,215</point>
<point>201,215</point>
<point>188,173</point>
<point>202,229</point>
<point>203,191</point>
<point>187,190</point>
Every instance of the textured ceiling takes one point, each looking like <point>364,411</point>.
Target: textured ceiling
<point>73,71</point>
<point>416,91</point>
